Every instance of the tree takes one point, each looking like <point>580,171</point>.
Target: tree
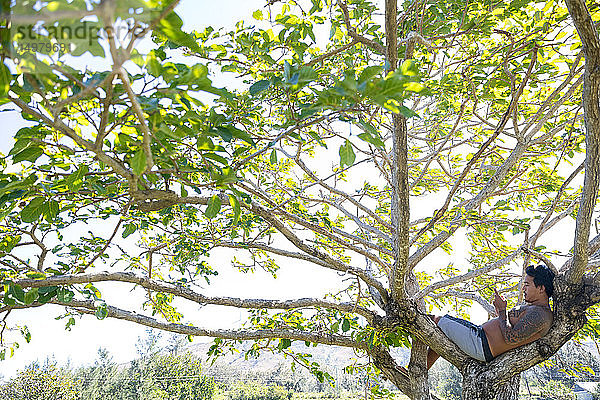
<point>469,120</point>
<point>176,377</point>
<point>105,380</point>
<point>153,376</point>
<point>36,382</point>
<point>571,364</point>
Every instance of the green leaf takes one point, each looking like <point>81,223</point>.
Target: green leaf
<point>240,134</point>
<point>101,311</point>
<point>374,140</point>
<point>153,65</point>
<point>416,87</point>
<point>5,78</point>
<point>205,143</point>
<point>46,293</point>
<point>287,70</point>
<point>75,180</point>
<point>47,289</point>
<point>371,339</point>
<point>26,334</point>
<point>93,291</point>
<point>336,326</point>
<point>347,156</point>
<point>33,210</point>
<point>31,296</point>
<point>50,210</point>
<point>9,242</point>
<point>138,162</point>
<point>30,153</point>
<point>284,343</point>
<point>35,275</point>
<point>407,112</point>
<point>170,26</point>
<point>259,86</point>
<point>273,157</point>
<point>235,204</point>
<point>64,295</point>
<point>70,323</point>
<point>257,15</point>
<point>214,206</point>
<point>224,132</point>
<point>369,73</point>
<point>227,176</point>
<point>346,325</point>
<point>129,229</point>
<point>17,292</point>
<point>409,68</point>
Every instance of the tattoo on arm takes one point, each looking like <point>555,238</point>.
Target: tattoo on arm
<point>532,322</point>
<point>515,312</point>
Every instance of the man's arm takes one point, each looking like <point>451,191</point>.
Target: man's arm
<point>532,322</point>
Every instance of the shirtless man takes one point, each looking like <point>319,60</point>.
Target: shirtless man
<point>521,325</point>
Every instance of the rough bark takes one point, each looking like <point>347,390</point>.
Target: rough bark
<point>400,189</point>
<point>591,97</point>
<point>510,390</point>
<point>417,369</point>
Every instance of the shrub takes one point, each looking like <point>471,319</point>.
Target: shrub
<point>47,382</point>
<point>256,391</point>
<point>554,390</point>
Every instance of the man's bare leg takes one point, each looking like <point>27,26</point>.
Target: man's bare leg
<point>432,356</point>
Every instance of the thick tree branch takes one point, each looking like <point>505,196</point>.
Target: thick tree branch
<point>188,294</point>
<point>89,307</point>
<point>591,107</point>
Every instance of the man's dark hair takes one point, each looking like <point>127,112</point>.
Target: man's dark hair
<point>542,275</point>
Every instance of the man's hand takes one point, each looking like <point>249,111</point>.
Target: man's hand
<point>500,304</point>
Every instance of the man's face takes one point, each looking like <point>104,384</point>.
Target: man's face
<point>531,293</point>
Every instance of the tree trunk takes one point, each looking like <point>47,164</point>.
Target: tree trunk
<point>510,390</point>
<point>417,368</point>
<point>476,387</point>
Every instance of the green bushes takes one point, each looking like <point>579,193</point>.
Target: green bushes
<point>255,391</point>
<point>155,377</point>
<point>554,390</point>
<point>47,382</point>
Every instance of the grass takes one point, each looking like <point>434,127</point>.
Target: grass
<point>221,394</point>
<point>340,396</point>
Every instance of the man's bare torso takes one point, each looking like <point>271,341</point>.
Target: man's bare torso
<point>527,324</point>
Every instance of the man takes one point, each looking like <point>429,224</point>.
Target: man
<point>521,325</point>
